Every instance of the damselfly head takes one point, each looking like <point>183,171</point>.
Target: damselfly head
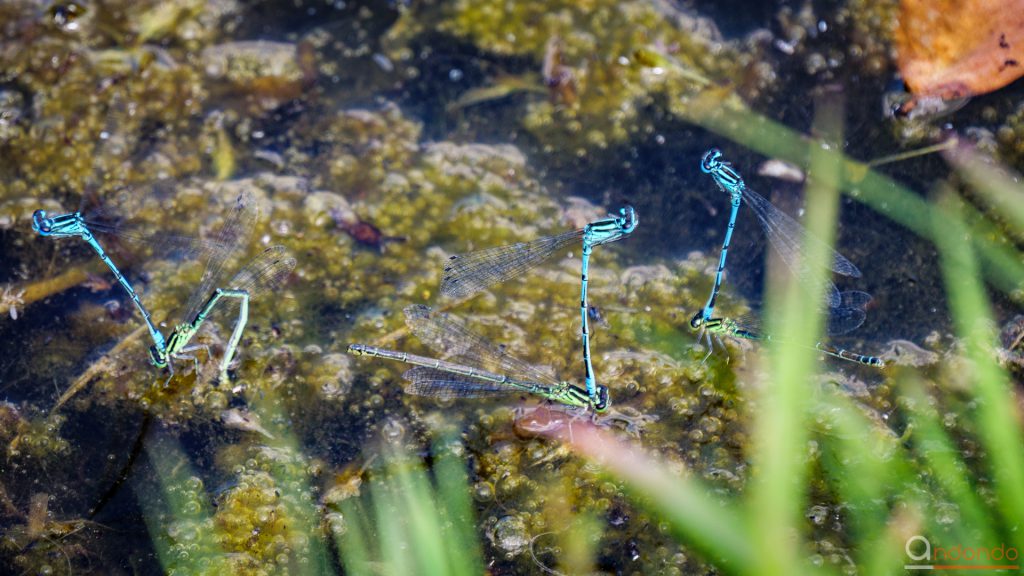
<point>157,358</point>
<point>697,321</point>
<point>40,223</point>
<point>709,163</point>
<point>603,399</point>
<point>60,226</point>
<point>628,220</point>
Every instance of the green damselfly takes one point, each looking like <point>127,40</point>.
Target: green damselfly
<point>846,317</point>
<point>495,372</point>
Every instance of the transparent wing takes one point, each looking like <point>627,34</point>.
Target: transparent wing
<point>751,323</point>
<point>846,317</point>
<point>232,237</point>
<point>450,337</point>
<point>850,313</point>
<point>854,299</point>
<point>264,272</point>
<point>787,237</point>
<point>425,381</point>
<point>467,274</point>
<point>110,217</point>
<point>843,320</point>
<point>161,242</point>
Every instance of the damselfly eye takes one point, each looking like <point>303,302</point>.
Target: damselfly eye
<point>40,221</point>
<point>697,320</point>
<point>710,161</point>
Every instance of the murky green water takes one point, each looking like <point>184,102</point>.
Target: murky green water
<point>379,138</point>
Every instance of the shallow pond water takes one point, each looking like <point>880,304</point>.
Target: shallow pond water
<point>378,139</point>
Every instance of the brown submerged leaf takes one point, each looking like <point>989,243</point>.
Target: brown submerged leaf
<point>959,48</point>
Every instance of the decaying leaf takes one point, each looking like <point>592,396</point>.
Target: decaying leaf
<point>959,48</point>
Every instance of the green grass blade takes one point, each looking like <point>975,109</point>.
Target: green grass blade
<point>392,534</point>
<point>777,493</point>
<point>453,489</point>
<point>579,544</point>
<point>178,519</point>
<point>712,525</point>
<point>865,462</point>
<point>943,464</point>
<point>407,526</point>
<point>354,546</point>
<point>290,479</point>
<point>996,186</point>
<point>418,502</point>
<point>972,316</point>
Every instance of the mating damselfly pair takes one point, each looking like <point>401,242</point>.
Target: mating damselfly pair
<point>266,271</point>
<point>489,370</point>
<point>844,312</point>
<point>484,369</point>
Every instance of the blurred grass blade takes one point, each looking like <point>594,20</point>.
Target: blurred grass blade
<point>698,517</point>
<point>392,536</point>
<point>777,495</point>
<point>886,553</point>
<point>354,545</point>
<point>453,489</point>
<point>972,316</point>
<point>406,525</point>
<point>578,544</point>
<point>864,459</point>
<point>179,513</point>
<point>993,182</point>
<point>1006,258</point>
<point>291,480</point>
<point>424,520</point>
<point>997,187</point>
<point>941,458</point>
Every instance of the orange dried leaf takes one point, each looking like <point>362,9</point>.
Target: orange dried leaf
<point>959,48</point>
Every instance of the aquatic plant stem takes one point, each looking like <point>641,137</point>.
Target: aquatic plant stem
<point>948,144</point>
<point>102,364</point>
<point>64,281</point>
